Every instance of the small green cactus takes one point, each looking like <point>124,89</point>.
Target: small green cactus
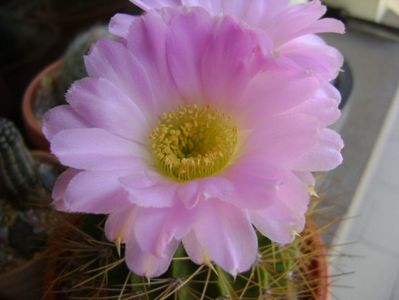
<point>86,266</point>
<point>25,215</point>
<point>74,67</point>
<point>18,170</point>
<point>54,86</point>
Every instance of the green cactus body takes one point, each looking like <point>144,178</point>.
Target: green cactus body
<point>25,217</point>
<point>86,264</point>
<point>54,86</point>
<point>18,173</point>
<point>74,67</point>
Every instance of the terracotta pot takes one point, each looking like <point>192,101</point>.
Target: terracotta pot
<point>24,282</point>
<point>31,124</point>
<point>320,265</point>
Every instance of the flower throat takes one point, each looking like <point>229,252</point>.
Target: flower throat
<point>193,142</point>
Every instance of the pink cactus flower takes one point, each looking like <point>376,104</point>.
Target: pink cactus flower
<point>185,132</point>
<point>290,28</point>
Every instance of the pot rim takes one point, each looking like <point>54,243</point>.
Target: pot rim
<point>31,123</point>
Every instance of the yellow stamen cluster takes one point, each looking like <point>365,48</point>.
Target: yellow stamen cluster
<point>193,142</point>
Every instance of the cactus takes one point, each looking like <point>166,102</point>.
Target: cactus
<point>24,199</point>
<point>54,86</point>
<point>18,170</point>
<point>74,68</point>
<point>86,266</point>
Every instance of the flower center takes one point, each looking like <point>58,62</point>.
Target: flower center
<point>193,142</point>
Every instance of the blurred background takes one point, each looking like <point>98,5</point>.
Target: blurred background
<point>363,193</point>
<point>35,33</point>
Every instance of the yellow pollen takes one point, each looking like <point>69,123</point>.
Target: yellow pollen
<point>193,142</point>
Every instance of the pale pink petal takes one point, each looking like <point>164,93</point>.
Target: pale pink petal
<point>153,4</point>
<point>156,228</point>
<point>306,177</point>
<point>245,10</point>
<point>215,7</point>
<point>253,12</point>
<point>97,192</point>
<point>277,5</point>
<point>314,58</point>
<point>325,25</point>
<point>250,11</point>
<point>149,189</point>
<point>112,61</point>
<point>147,44</point>
<point>258,184</point>
<point>276,91</point>
<point>60,118</point>
<point>293,193</point>
<point>194,249</point>
<point>226,235</point>
<point>95,149</point>
<point>279,20</point>
<point>144,263</point>
<point>299,20</point>
<point>231,59</point>
<point>309,39</point>
<point>184,51</point>
<point>254,183</point>
<point>120,23</point>
<point>192,192</point>
<point>60,186</point>
<point>324,109</point>
<point>285,217</point>
<point>324,156</point>
<point>279,223</point>
<point>103,105</point>
<point>283,139</point>
<point>328,90</point>
<point>119,224</point>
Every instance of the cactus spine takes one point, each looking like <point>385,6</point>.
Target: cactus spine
<point>18,170</point>
<point>74,67</point>
<point>88,266</point>
<point>25,217</point>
